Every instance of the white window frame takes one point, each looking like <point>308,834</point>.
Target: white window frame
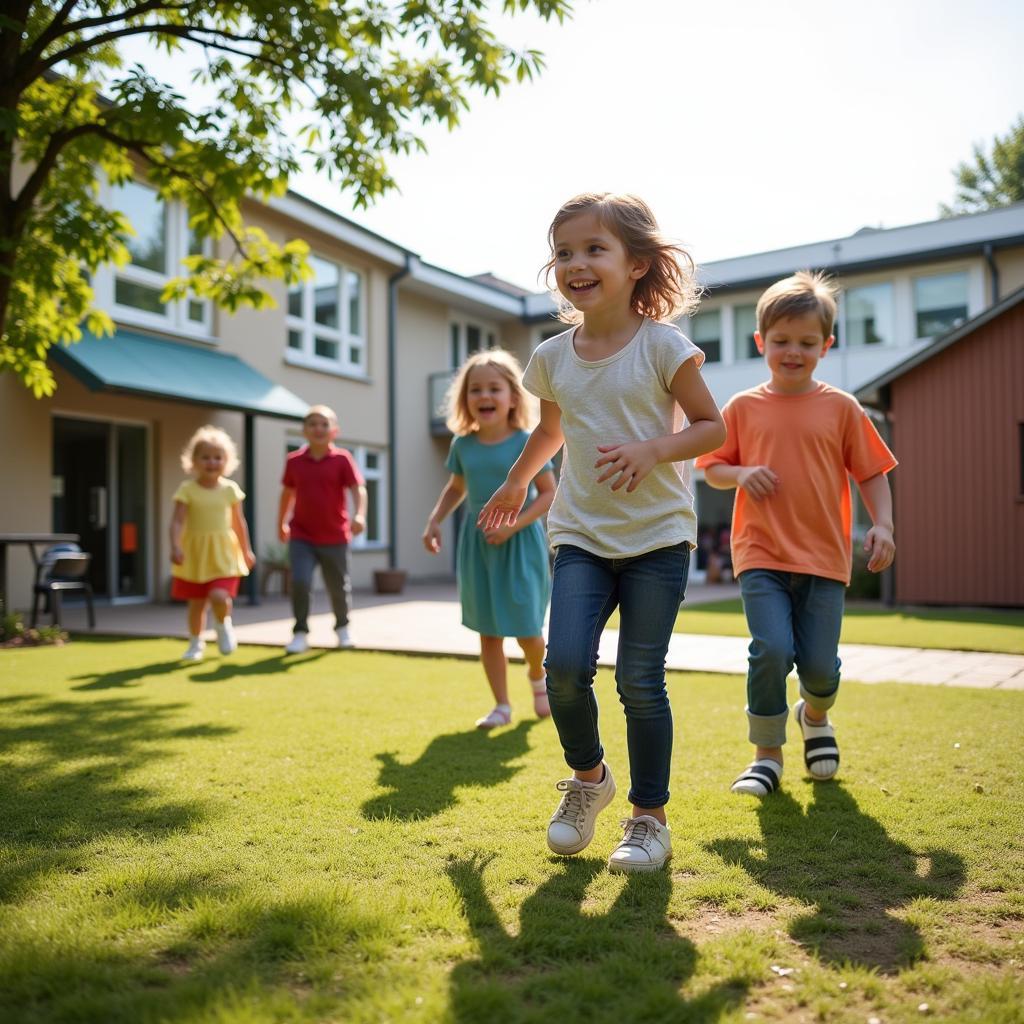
<point>380,476</point>
<point>458,326</point>
<point>922,273</point>
<point>344,336</point>
<point>176,318</point>
<point>843,312</point>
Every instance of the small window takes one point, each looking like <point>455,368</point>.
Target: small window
<point>745,323</point>
<point>325,316</point>
<point>869,315</point>
<point>707,334</point>
<point>940,303</point>
<point>371,465</point>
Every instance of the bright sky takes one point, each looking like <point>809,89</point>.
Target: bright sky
<point>747,125</point>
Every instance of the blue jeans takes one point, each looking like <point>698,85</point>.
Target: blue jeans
<point>586,589</point>
<point>792,618</point>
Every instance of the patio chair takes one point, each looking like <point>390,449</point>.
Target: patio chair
<point>62,572</point>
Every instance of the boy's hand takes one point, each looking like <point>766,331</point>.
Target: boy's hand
<point>631,462</point>
<point>432,537</point>
<point>284,531</point>
<point>358,525</point>
<point>177,555</point>
<point>499,534</point>
<point>250,557</point>
<point>881,548</point>
<point>503,507</point>
<point>758,481</point>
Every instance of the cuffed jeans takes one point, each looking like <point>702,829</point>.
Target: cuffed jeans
<point>333,562</point>
<point>647,590</point>
<point>793,618</point>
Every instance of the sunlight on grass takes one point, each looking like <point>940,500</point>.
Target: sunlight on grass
<point>327,838</point>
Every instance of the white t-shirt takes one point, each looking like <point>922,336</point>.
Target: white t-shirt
<point>625,397</point>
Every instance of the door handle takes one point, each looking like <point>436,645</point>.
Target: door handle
<point>98,507</point>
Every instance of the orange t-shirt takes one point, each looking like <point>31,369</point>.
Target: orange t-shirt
<point>813,443</point>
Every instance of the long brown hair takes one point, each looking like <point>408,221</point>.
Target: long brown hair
<point>456,404</point>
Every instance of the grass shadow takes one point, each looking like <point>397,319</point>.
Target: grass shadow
<point>272,666</point>
<point>563,964</point>
<point>426,786</point>
<point>844,866</point>
<point>65,771</point>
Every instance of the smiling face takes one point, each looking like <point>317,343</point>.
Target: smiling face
<point>792,347</point>
<point>208,461</point>
<point>489,397</point>
<point>319,430</point>
<point>593,269</point>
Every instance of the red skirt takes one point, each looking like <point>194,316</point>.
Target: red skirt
<point>187,590</point>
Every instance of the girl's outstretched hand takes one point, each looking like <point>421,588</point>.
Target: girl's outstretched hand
<point>503,507</point>
<point>432,537</point>
<point>631,462</point>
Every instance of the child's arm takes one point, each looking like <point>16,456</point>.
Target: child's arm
<point>632,461</point>
<point>358,492</point>
<point>879,542</point>
<point>537,508</point>
<point>177,528</point>
<point>241,528</point>
<point>758,481</point>
<point>451,497</point>
<point>542,446</point>
<point>284,513</point>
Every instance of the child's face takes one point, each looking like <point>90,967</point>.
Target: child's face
<point>593,270</point>
<point>319,430</point>
<point>489,396</point>
<point>792,348</point>
<point>209,461</point>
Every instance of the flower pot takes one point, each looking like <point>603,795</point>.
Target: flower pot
<point>389,581</point>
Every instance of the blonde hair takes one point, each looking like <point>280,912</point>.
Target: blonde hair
<point>668,290</point>
<point>456,403</point>
<point>321,410</point>
<point>215,438</point>
<point>804,292</point>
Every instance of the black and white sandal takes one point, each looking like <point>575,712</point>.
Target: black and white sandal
<point>759,779</point>
<point>821,752</point>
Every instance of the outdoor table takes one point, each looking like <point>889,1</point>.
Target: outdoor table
<point>30,540</point>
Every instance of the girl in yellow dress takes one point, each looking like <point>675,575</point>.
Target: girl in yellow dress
<point>210,548</point>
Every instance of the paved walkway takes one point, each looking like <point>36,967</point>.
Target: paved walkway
<point>426,620</point>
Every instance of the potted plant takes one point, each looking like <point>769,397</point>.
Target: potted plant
<point>389,581</point>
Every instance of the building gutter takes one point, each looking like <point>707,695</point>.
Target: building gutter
<point>393,281</point>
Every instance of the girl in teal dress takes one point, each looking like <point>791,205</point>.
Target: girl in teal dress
<point>504,583</point>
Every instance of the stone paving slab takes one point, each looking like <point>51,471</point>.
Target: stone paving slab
<point>426,620</point>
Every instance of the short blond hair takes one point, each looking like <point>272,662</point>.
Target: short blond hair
<point>321,410</point>
<point>804,292</point>
<point>214,437</point>
<point>668,290</point>
<point>456,402</point>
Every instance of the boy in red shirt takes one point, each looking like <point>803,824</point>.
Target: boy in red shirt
<point>792,445</point>
<point>313,519</point>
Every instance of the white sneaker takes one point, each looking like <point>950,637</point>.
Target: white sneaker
<point>572,825</point>
<point>345,641</point>
<point>298,644</point>
<point>646,845</point>
<point>194,652</point>
<point>226,641</point>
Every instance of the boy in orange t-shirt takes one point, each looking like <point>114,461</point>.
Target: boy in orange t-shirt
<point>793,443</point>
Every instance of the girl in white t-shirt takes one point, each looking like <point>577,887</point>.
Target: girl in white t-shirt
<point>614,390</point>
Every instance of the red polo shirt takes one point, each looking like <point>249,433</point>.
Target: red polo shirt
<point>320,515</point>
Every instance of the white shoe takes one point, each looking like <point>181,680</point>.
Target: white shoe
<point>226,641</point>
<point>194,651</point>
<point>345,641</point>
<point>572,825</point>
<point>646,845</point>
<point>298,644</point>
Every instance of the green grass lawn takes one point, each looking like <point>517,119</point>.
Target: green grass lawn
<point>325,838</point>
<point>953,629</point>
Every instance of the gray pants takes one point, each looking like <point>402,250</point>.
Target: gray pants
<point>333,562</point>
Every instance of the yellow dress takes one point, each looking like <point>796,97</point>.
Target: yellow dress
<point>210,545</point>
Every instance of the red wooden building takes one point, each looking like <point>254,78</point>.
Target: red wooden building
<point>956,419</point>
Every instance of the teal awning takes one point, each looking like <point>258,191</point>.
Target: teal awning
<point>131,363</point>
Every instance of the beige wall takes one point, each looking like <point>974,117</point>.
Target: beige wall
<point>1010,263</point>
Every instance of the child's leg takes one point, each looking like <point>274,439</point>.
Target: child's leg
<point>651,587</point>
<point>303,561</point>
<point>334,564</point>
<point>492,655</point>
<point>197,616</point>
<point>584,593</point>
<point>533,651</point>
<point>220,602</point>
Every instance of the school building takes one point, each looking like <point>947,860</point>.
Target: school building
<point>375,334</point>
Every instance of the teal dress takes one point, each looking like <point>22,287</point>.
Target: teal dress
<point>504,588</point>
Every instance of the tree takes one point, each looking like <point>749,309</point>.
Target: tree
<point>991,180</point>
<point>337,82</point>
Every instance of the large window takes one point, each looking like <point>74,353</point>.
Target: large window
<point>745,321</point>
<point>467,338</point>
<point>940,302</point>
<point>161,240</point>
<point>326,318</point>
<point>707,334</point>
<point>869,315</point>
<point>371,464</point>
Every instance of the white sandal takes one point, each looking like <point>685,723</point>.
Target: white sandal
<point>541,708</point>
<point>500,714</point>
